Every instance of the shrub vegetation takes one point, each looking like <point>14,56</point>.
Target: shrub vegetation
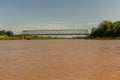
<point>106,29</point>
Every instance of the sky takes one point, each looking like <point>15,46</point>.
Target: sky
<point>18,15</point>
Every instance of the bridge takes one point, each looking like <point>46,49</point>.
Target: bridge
<point>56,32</point>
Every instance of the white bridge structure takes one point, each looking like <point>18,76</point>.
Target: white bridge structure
<point>68,33</point>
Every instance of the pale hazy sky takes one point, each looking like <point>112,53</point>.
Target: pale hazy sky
<point>17,15</point>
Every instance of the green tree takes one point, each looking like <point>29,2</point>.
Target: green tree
<point>9,33</point>
<point>106,29</point>
<point>2,32</point>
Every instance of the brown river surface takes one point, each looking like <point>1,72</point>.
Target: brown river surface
<point>60,60</point>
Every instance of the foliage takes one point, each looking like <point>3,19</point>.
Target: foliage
<point>106,29</point>
<point>8,33</point>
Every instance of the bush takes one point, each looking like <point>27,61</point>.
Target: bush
<point>106,29</point>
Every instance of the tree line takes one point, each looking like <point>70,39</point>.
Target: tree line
<point>106,29</point>
<point>6,33</point>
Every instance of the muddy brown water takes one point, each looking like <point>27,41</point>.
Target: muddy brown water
<point>60,60</point>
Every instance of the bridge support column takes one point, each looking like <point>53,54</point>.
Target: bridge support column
<point>23,37</point>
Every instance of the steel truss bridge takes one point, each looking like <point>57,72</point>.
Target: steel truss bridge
<point>56,32</point>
